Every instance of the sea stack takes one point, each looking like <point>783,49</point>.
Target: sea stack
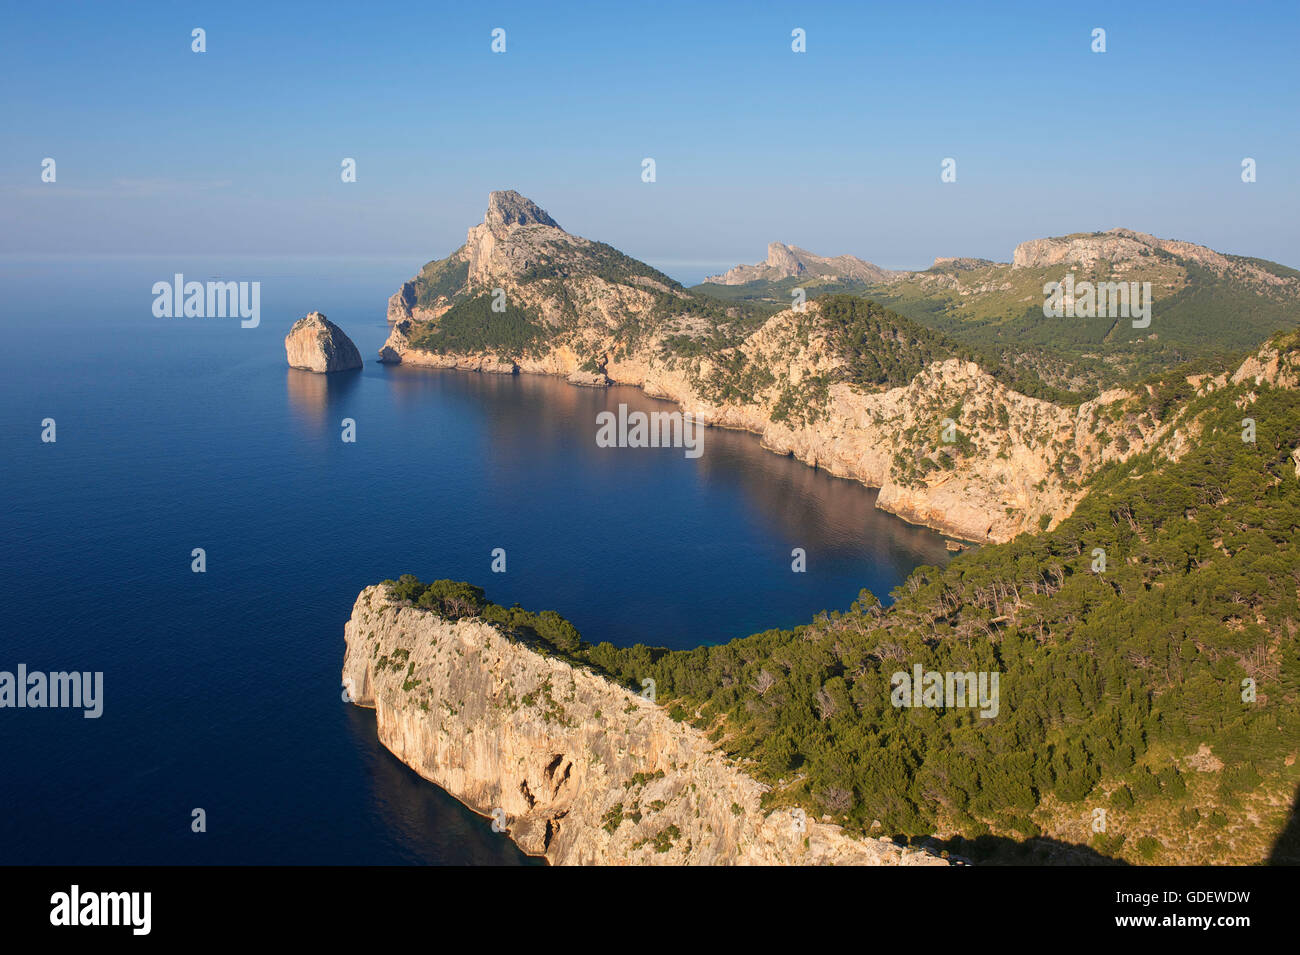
<point>317,344</point>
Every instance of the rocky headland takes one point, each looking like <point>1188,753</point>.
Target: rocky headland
<point>585,771</point>
<point>949,444</point>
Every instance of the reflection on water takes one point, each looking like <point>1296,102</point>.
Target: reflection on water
<point>426,824</point>
<point>736,495</point>
<point>534,414</point>
<point>311,394</point>
<point>794,499</point>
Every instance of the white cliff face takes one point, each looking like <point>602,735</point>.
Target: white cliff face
<point>515,234</point>
<point>314,343</point>
<point>586,771</point>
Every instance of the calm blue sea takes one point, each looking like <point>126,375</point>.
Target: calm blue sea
<point>221,690</point>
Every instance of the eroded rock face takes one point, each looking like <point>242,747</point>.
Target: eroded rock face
<point>401,303</point>
<point>508,208</point>
<point>317,344</point>
<point>1269,366</point>
<point>586,771</point>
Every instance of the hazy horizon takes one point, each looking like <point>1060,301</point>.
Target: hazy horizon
<point>837,150</point>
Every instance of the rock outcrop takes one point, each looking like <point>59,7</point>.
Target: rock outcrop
<point>1125,247</point>
<point>788,261</point>
<point>960,263</point>
<point>585,771</point>
<point>314,343</point>
<point>401,304</point>
<point>1271,365</point>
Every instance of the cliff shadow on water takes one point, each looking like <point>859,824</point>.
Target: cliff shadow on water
<point>425,823</point>
<point>312,395</point>
<point>757,497</point>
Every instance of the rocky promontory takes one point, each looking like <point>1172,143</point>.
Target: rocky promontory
<point>951,444</point>
<point>314,343</point>
<point>584,770</point>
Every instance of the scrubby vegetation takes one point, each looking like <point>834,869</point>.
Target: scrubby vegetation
<point>438,280</point>
<point>456,599</point>
<point>883,348</point>
<point>471,326</point>
<point>998,310</point>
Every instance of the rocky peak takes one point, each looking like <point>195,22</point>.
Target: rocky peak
<point>508,208</point>
<point>514,234</point>
<point>783,258</point>
<point>1083,249</point>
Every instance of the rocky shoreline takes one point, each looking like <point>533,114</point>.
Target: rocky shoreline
<point>991,500</point>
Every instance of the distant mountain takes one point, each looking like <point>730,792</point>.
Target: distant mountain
<point>788,262</point>
<point>1086,250</point>
<point>959,263</point>
<point>521,289</point>
<point>1205,304</point>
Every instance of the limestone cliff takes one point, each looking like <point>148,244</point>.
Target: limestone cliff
<point>314,343</point>
<point>1013,461</point>
<point>586,771</point>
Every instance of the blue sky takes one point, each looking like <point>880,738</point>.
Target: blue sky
<point>238,150</point>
